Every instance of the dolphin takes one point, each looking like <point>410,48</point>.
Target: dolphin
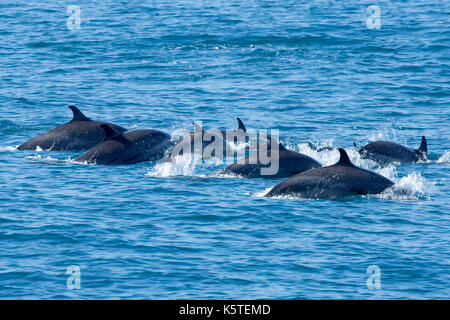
<point>187,144</point>
<point>289,164</point>
<point>385,152</point>
<point>339,180</point>
<point>81,133</point>
<point>127,147</point>
<point>239,132</point>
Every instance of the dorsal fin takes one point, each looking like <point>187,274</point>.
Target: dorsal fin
<point>344,160</point>
<point>113,134</point>
<point>78,115</point>
<point>281,146</point>
<point>423,146</point>
<point>273,142</point>
<point>311,146</point>
<point>110,132</point>
<point>197,128</point>
<point>241,125</point>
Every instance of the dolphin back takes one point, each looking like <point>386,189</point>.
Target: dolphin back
<point>339,180</point>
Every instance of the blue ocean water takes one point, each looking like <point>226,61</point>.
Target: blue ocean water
<point>312,69</point>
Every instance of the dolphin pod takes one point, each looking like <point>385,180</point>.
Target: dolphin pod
<point>81,133</point>
<point>110,144</point>
<point>342,179</point>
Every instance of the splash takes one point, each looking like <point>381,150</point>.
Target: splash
<point>190,165</point>
<point>84,163</point>
<point>325,157</point>
<point>229,175</point>
<point>183,165</point>
<point>262,194</point>
<point>50,159</point>
<point>7,127</point>
<point>445,158</point>
<point>2,149</point>
<point>384,134</point>
<point>411,187</point>
<point>330,157</point>
<point>41,158</point>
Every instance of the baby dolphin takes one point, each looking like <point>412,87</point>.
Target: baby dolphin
<point>289,164</point>
<point>339,180</point>
<point>385,152</point>
<point>80,133</point>
<point>127,147</point>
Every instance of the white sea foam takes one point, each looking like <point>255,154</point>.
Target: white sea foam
<point>411,187</point>
<point>228,175</point>
<point>183,165</point>
<point>261,194</point>
<point>384,134</point>
<point>41,158</point>
<point>445,158</point>
<point>8,149</point>
<point>73,161</point>
<point>330,157</point>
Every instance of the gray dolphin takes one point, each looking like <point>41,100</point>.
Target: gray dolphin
<point>188,142</point>
<point>289,164</point>
<point>314,147</point>
<point>385,152</point>
<point>339,180</point>
<point>80,133</point>
<point>127,147</point>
